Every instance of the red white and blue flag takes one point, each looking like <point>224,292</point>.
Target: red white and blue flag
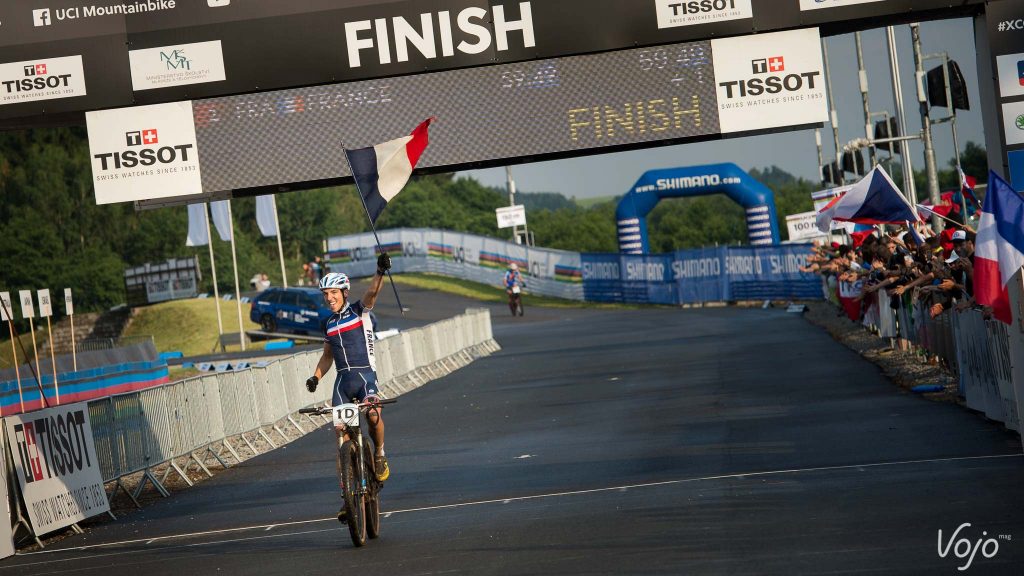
<point>873,200</point>
<point>999,249</point>
<point>383,170</point>
<point>966,195</point>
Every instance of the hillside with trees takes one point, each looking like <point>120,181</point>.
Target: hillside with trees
<point>53,234</point>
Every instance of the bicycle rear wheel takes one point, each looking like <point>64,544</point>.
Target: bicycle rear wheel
<point>350,487</point>
<point>372,495</point>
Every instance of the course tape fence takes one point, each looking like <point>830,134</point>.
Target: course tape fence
<point>986,355</point>
<point>718,274</point>
<point>210,418</point>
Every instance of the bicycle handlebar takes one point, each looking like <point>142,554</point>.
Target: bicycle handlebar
<point>321,410</point>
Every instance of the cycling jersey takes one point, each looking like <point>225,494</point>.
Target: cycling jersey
<point>350,334</point>
<point>513,278</point>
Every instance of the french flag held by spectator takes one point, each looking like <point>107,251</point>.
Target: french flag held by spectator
<point>999,250</point>
<point>382,171</point>
<point>873,200</point>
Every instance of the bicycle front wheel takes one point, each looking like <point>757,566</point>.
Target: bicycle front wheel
<point>352,493</point>
<point>372,495</point>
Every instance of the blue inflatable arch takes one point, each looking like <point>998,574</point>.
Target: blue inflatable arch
<point>728,178</point>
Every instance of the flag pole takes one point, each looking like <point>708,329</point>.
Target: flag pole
<point>238,293</point>
<point>32,369</point>
<point>9,315</point>
<point>213,270</point>
<point>955,223</point>
<point>372,227</point>
<point>280,250</point>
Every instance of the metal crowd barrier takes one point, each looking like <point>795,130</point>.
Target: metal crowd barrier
<point>986,355</point>
<point>190,422</point>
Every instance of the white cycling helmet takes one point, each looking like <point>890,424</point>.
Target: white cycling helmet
<point>513,266</point>
<point>335,280</point>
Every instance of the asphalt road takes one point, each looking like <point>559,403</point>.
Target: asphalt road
<point>714,441</point>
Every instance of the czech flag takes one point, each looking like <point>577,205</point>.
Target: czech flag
<point>873,200</point>
<point>999,250</point>
<point>383,170</point>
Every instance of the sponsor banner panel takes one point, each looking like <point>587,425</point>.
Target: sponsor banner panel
<point>700,275</point>
<point>56,466</point>
<point>1011,74</point>
<point>1013,123</point>
<point>144,152</point>
<point>6,533</point>
<point>675,13</point>
<point>41,79</point>
<point>769,80</point>
<point>177,65</point>
<point>602,277</point>
<point>688,276</point>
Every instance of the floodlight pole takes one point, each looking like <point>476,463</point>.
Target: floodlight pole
<point>511,184</point>
<point>833,115</point>
<point>862,74</point>
<point>926,127</point>
<point>909,191</point>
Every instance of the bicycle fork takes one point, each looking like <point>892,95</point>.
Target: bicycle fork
<point>357,438</point>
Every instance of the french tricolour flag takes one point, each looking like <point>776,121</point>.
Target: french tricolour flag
<point>999,250</point>
<point>873,200</point>
<point>383,170</point>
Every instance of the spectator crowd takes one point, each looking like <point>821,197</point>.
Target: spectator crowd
<point>937,270</point>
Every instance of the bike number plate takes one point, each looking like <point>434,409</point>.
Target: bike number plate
<point>345,415</point>
<point>515,289</point>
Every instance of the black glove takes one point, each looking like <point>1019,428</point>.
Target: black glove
<point>311,383</point>
<point>383,263</point>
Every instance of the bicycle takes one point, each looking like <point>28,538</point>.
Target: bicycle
<point>515,301</point>
<point>359,484</point>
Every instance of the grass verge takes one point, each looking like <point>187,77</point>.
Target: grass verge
<point>189,326</point>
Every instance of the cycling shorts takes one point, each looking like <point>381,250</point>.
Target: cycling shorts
<point>354,386</point>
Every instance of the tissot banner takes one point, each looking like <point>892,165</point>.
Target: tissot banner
<point>769,80</point>
<point>56,465</point>
<point>672,13</point>
<point>144,152</point>
<point>41,79</point>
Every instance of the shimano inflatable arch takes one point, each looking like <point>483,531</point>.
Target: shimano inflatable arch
<point>727,178</point>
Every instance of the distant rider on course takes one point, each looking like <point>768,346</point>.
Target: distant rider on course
<point>513,287</point>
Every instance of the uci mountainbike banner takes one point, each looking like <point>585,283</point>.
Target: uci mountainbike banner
<point>56,465</point>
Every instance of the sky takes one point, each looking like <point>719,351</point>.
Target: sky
<point>794,152</point>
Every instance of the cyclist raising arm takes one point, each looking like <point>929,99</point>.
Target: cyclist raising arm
<point>348,341</point>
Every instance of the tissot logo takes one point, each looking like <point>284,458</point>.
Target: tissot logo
<point>36,80</point>
<point>144,156</point>
<point>765,65</point>
<point>140,137</point>
<point>773,84</point>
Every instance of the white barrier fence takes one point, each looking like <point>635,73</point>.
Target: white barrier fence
<point>211,417</point>
<point>986,354</point>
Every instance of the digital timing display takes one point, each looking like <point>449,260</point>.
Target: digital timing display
<point>527,109</point>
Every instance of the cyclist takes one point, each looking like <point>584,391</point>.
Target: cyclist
<point>348,341</point>
<point>513,278</point>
